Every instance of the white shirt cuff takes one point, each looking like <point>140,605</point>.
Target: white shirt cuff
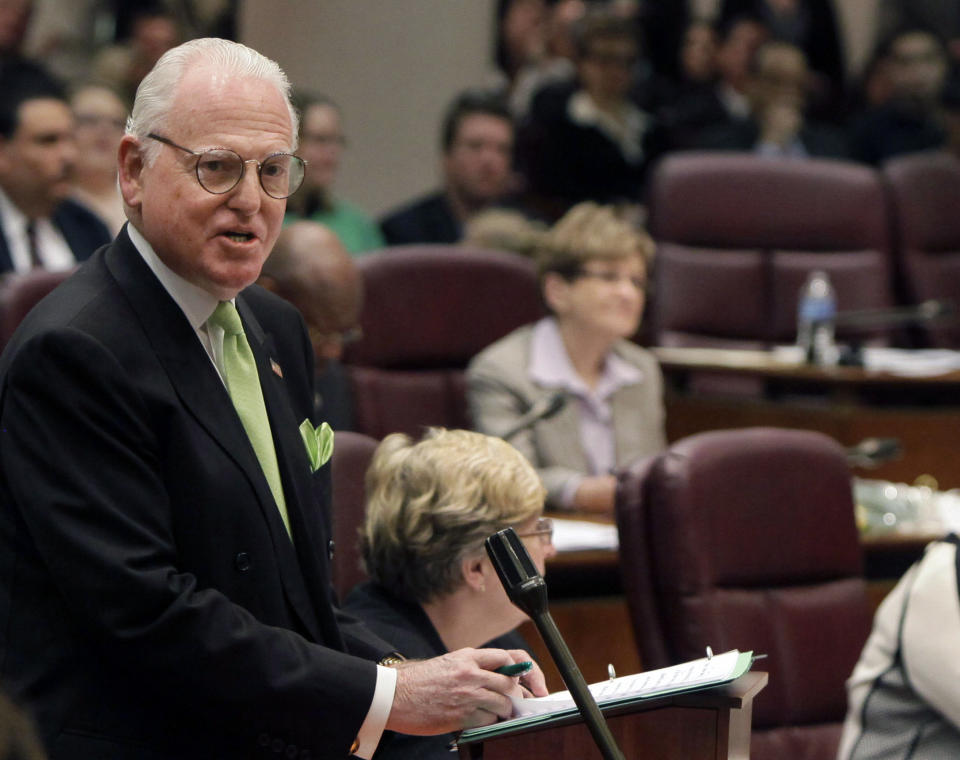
<point>372,728</point>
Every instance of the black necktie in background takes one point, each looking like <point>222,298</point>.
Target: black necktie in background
<point>35,261</point>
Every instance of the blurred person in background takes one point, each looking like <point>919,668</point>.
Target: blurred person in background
<point>310,268</point>
<point>592,267</point>
<point>477,142</point>
<point>100,118</point>
<point>810,25</point>
<point>521,36</point>
<point>322,143</point>
<point>15,18</point>
<point>153,31</point>
<point>556,63</point>
<point>933,15</point>
<point>41,226</point>
<point>701,108</point>
<point>777,126</point>
<point>909,120</point>
<point>432,588</point>
<point>588,140</point>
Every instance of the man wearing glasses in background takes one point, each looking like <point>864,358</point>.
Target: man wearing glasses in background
<point>164,584</point>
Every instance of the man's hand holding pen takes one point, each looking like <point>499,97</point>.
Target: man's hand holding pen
<point>474,693</point>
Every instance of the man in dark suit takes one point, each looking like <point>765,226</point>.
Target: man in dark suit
<point>164,580</point>
<point>477,141</point>
<point>39,225</point>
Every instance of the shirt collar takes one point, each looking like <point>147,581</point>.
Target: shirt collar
<point>550,365</point>
<point>626,134</point>
<point>11,216</point>
<point>196,303</point>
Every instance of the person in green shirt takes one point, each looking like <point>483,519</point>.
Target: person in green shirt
<point>321,146</point>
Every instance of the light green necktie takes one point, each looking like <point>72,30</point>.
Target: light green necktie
<point>243,384</point>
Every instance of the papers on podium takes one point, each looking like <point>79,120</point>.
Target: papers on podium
<point>685,677</point>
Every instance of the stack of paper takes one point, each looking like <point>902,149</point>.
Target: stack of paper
<point>683,677</point>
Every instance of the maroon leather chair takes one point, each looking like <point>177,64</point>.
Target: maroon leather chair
<point>428,309</point>
<point>21,292</point>
<point>737,235</point>
<point>351,457</point>
<point>746,539</point>
<point>925,190</point>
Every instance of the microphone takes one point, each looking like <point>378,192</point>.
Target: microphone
<point>541,409</point>
<point>897,316</point>
<point>872,452</point>
<point>528,591</point>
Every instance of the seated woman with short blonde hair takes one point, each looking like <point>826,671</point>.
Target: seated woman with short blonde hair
<point>432,588</point>
<point>592,267</point>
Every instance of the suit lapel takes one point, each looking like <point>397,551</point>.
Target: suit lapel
<point>199,387</point>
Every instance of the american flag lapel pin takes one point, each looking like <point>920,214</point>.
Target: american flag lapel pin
<point>276,368</point>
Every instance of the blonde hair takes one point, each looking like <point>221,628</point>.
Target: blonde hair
<point>588,232</point>
<point>433,502</point>
<point>504,230</point>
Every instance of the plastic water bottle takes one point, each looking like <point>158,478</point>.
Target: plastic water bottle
<point>816,311</point>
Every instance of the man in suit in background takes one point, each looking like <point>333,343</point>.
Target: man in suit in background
<point>310,268</point>
<point>164,577</point>
<point>477,141</point>
<point>41,226</point>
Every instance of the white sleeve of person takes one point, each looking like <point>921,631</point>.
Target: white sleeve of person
<point>931,632</point>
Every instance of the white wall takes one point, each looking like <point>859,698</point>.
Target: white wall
<point>392,65</point>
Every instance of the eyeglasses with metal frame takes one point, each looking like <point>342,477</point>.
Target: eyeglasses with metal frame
<point>220,170</point>
<point>542,528</point>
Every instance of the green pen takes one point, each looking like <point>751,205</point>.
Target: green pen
<point>517,669</point>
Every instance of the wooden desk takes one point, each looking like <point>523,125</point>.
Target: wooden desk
<point>713,724</point>
<point>847,403</point>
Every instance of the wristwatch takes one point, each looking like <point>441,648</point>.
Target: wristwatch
<point>392,660</point>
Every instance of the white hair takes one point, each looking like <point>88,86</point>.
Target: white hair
<point>156,93</point>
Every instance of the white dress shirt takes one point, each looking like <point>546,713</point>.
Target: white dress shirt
<point>52,246</point>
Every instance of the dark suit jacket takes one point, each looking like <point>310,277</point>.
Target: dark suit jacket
<point>819,141</point>
<point>151,602</point>
<point>82,229</point>
<point>428,220</point>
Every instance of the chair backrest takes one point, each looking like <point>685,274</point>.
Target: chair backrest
<point>737,235</point>
<point>351,457</point>
<point>21,292</point>
<point>747,539</point>
<point>428,309</point>
<point>925,193</point>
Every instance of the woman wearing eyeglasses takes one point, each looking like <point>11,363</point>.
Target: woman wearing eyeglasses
<point>432,588</point>
<point>592,267</point>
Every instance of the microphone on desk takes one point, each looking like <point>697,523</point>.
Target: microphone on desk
<point>542,409</point>
<point>872,452</point>
<point>527,589</point>
<point>895,316</point>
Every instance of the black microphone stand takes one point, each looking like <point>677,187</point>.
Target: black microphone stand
<point>528,591</point>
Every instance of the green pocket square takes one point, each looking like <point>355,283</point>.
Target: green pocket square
<point>319,443</point>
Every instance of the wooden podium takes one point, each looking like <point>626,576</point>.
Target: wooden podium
<point>709,724</point>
